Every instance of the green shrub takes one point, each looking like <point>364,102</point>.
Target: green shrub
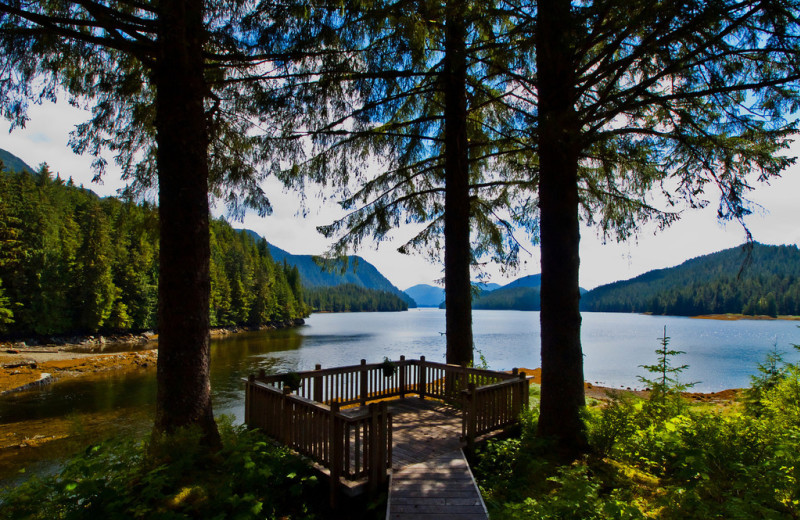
<point>573,494</point>
<point>662,458</point>
<point>173,478</point>
<point>613,423</point>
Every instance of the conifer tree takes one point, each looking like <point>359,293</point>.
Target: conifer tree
<point>408,134</point>
<point>163,80</point>
<point>629,97</point>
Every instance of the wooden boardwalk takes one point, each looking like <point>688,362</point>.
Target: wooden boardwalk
<point>422,430</point>
<point>430,475</point>
<point>441,488</point>
<point>361,423</point>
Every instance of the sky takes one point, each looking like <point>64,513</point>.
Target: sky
<point>776,219</point>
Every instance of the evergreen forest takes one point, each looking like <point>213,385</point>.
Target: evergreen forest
<point>72,262</point>
<point>353,298</point>
<point>510,298</point>
<point>762,281</point>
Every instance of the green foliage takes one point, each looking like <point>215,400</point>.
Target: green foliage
<point>665,387</point>
<point>765,283</point>
<point>775,392</point>
<point>516,298</point>
<point>6,314</point>
<point>770,373</point>
<point>72,262</point>
<point>573,495</point>
<point>352,298</point>
<point>172,478</point>
<point>691,463</point>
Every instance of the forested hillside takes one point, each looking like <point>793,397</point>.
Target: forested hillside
<point>359,272</point>
<point>71,262</point>
<point>353,298</point>
<point>769,285</point>
<point>518,298</point>
<point>13,163</point>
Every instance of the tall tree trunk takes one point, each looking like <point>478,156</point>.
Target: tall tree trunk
<point>457,252</point>
<point>562,359</point>
<point>184,388</point>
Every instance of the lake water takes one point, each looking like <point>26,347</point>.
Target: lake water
<point>720,355</point>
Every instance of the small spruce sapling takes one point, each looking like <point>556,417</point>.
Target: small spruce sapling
<point>770,373</point>
<point>665,386</point>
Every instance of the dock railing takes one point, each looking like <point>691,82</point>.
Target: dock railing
<point>304,410</point>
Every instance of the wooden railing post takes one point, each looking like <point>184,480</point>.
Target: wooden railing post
<point>372,471</point>
<point>318,384</point>
<point>362,392</point>
<point>526,396</point>
<point>402,377</point>
<point>248,401</point>
<point>383,435</point>
<point>286,418</point>
<point>378,437</point>
<point>422,383</point>
<point>470,415</point>
<point>337,452</point>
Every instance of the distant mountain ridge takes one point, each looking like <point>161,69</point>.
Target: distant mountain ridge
<point>13,163</point>
<point>521,294</point>
<point>359,272</point>
<point>769,284</point>
<point>532,280</point>
<point>433,296</point>
<point>426,295</point>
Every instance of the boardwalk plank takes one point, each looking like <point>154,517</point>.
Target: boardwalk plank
<point>439,488</point>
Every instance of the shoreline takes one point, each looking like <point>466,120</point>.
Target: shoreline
<point>41,366</point>
<point>25,366</point>
<point>103,342</point>
<point>31,369</point>
<point>736,317</point>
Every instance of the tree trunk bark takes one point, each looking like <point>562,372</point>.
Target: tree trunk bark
<point>184,388</point>
<point>457,251</point>
<point>562,395</point>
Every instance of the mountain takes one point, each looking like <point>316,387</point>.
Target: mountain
<point>431,296</point>
<point>523,294</point>
<point>518,298</point>
<point>359,272</point>
<point>13,163</point>
<point>533,280</point>
<point>426,295</point>
<point>765,282</point>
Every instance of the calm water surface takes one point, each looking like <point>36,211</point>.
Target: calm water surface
<point>720,354</point>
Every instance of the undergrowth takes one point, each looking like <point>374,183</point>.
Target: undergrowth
<point>173,478</point>
<point>660,458</point>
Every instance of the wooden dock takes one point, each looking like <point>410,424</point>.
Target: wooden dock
<point>361,423</point>
<point>438,489</point>
<point>422,430</point>
<point>430,475</point>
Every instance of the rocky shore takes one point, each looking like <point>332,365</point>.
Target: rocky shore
<point>33,362</point>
